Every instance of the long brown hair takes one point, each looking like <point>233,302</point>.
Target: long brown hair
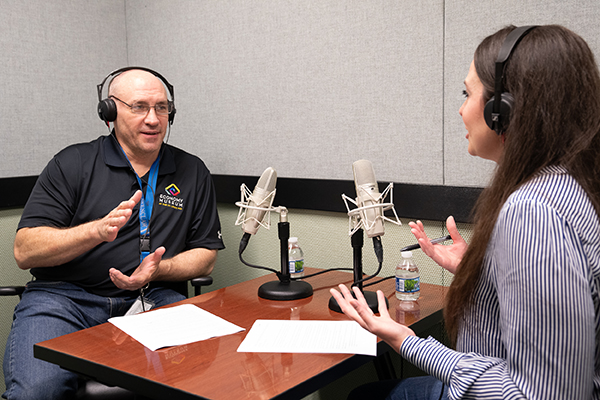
<point>555,120</point>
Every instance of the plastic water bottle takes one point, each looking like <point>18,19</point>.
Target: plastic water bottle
<point>296,258</point>
<point>407,278</point>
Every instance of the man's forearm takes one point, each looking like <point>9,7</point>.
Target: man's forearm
<point>187,265</point>
<point>47,246</point>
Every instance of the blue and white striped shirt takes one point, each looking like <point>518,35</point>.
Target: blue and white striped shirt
<point>533,331</point>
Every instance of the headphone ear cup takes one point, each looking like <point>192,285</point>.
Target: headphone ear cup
<point>172,114</point>
<point>107,110</point>
<point>487,112</point>
<point>506,104</point>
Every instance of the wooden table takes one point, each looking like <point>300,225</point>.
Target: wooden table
<point>213,368</point>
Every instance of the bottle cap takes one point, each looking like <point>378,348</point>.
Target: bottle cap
<point>406,254</point>
<point>293,239</point>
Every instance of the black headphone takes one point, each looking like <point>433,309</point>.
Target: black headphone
<point>107,108</point>
<point>497,109</point>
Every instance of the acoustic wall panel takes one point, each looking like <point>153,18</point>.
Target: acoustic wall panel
<point>306,87</point>
<point>467,23</point>
<point>53,55</point>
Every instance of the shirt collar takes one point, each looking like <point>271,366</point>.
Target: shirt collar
<point>114,157</point>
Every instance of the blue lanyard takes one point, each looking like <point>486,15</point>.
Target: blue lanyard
<point>146,205</point>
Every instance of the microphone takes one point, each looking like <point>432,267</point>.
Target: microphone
<point>252,212</point>
<point>368,197</point>
<point>368,200</point>
<point>368,216</point>
<point>254,206</point>
<point>260,198</point>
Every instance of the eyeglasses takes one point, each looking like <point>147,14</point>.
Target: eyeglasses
<point>143,108</point>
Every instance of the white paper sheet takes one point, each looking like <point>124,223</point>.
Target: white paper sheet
<point>174,326</point>
<point>296,336</point>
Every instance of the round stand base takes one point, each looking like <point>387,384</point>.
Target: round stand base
<point>370,297</point>
<point>277,290</point>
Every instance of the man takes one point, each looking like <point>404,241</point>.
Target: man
<point>112,225</point>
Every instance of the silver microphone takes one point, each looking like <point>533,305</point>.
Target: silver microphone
<point>259,198</point>
<point>367,194</point>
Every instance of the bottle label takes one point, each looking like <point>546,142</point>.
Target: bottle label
<point>408,285</point>
<point>296,266</point>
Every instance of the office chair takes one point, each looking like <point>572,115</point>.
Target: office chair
<point>90,389</point>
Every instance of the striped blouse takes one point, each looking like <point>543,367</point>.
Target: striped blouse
<point>533,331</point>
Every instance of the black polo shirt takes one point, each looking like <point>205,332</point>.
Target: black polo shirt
<point>86,181</point>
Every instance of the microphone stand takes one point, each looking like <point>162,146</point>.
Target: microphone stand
<point>284,288</point>
<point>371,297</point>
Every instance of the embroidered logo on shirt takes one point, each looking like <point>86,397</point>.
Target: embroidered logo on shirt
<point>172,189</point>
<point>170,199</point>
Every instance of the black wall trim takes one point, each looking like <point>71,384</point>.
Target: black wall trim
<point>429,202</point>
<point>14,192</point>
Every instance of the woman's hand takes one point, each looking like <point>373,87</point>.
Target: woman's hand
<point>383,326</point>
<point>446,256</point>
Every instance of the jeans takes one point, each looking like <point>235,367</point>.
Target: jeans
<point>48,310</point>
<point>417,388</point>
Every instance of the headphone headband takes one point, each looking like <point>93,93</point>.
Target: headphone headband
<point>107,109</point>
<point>506,50</point>
<point>497,109</point>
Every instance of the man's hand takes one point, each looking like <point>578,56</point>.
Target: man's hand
<point>142,275</point>
<point>107,228</point>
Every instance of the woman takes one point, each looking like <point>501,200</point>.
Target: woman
<point>523,309</point>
